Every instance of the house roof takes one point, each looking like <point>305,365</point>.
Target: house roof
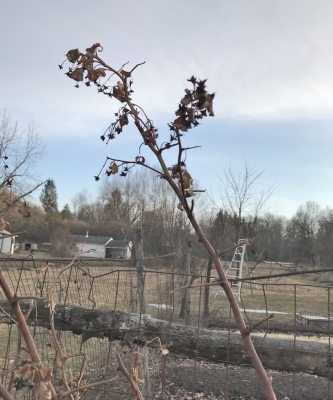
<point>117,244</point>
<point>103,240</point>
<point>91,239</point>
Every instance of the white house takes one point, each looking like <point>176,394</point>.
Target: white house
<point>102,246</point>
<point>7,243</point>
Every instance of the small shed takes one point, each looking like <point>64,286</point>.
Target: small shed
<point>118,249</point>
<point>102,246</point>
<point>7,243</point>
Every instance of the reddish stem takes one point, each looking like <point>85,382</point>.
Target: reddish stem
<point>22,323</point>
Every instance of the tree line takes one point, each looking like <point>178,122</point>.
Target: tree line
<point>123,203</point>
<point>140,198</point>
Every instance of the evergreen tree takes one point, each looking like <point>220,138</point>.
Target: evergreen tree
<point>66,212</point>
<point>49,197</point>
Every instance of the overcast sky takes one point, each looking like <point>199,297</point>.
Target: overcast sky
<point>269,62</point>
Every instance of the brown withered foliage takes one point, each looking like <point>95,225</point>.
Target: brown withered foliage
<point>196,104</point>
<point>31,379</point>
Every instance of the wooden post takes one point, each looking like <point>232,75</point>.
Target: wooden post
<point>206,292</point>
<point>187,283</point>
<point>140,274</point>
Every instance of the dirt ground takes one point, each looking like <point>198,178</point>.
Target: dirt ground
<point>184,379</point>
<point>215,381</point>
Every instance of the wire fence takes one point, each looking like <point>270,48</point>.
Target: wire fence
<point>299,333</point>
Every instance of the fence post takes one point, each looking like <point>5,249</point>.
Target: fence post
<point>140,274</point>
<point>206,291</point>
<point>187,283</point>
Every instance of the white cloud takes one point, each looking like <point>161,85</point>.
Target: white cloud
<point>268,60</point>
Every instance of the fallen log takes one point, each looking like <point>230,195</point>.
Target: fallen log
<point>275,351</point>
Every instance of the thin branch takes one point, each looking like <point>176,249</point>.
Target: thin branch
<point>142,110</point>
<point>167,147</point>
<point>63,357</point>
<point>313,271</point>
<point>8,315</point>
<point>22,323</point>
<point>190,148</point>
<point>133,162</point>
<point>4,394</point>
<point>26,298</point>
<point>137,66</point>
<point>85,387</point>
<point>255,325</point>
<point>215,283</point>
<point>123,66</point>
<point>122,369</point>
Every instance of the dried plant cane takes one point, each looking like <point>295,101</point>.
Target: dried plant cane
<point>195,105</point>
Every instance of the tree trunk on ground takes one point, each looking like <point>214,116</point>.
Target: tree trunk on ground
<point>276,352</point>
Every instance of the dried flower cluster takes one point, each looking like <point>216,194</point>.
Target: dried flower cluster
<point>196,104</point>
<point>193,106</point>
<point>29,378</point>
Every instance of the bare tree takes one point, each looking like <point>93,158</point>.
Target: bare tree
<point>325,237</point>
<point>302,230</point>
<point>20,151</point>
<point>240,197</point>
<point>193,107</point>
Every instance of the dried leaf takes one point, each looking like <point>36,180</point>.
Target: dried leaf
<point>180,207</point>
<point>164,351</point>
<point>91,51</point>
<point>120,95</point>
<point>193,80</point>
<point>150,136</point>
<point>189,193</point>
<point>114,168</point>
<point>123,120</point>
<point>73,55</point>
<point>187,180</point>
<point>77,74</point>
<point>180,123</point>
<point>94,74</point>
<point>87,63</point>
<point>174,171</point>
<point>186,100</point>
<point>125,73</point>
<point>120,85</point>
<point>191,115</point>
<point>31,379</point>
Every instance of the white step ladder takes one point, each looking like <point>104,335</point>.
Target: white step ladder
<point>235,270</point>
